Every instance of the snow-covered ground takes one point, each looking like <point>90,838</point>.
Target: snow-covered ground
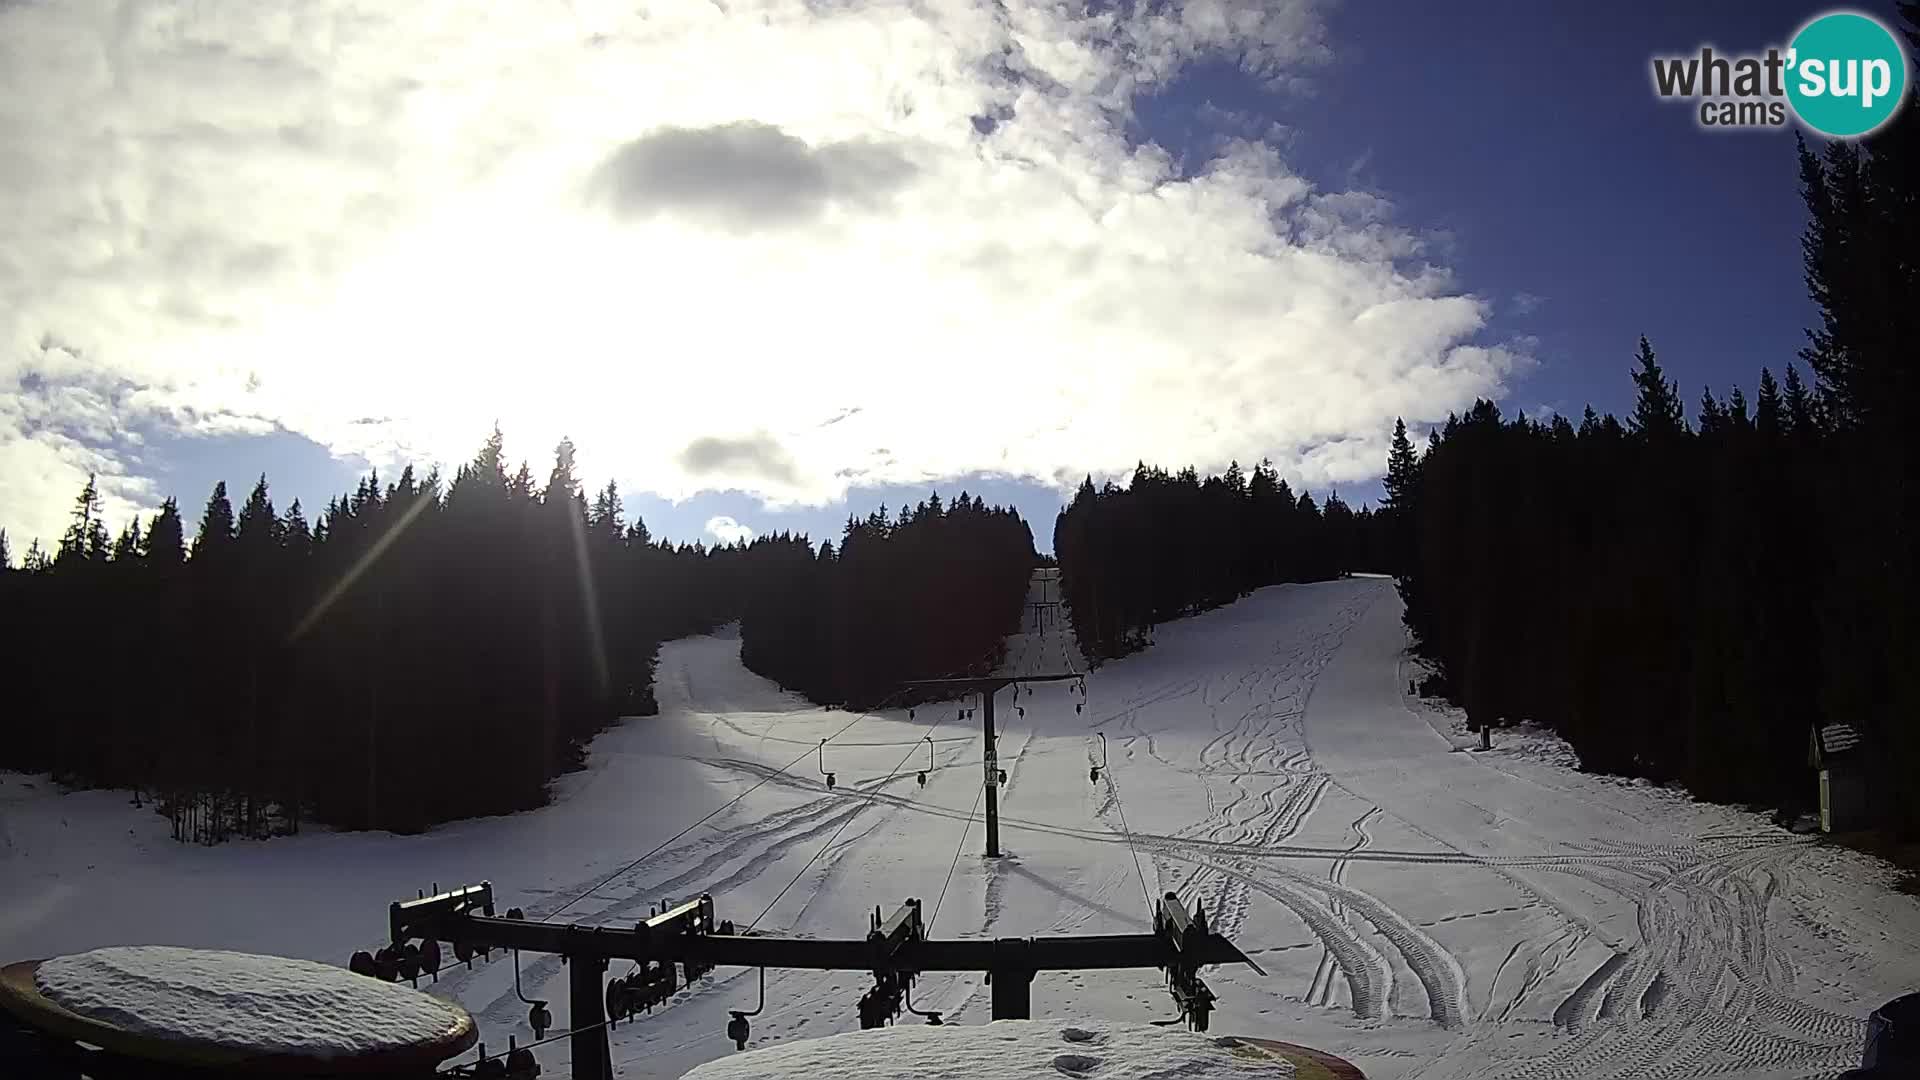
<point>1420,910</point>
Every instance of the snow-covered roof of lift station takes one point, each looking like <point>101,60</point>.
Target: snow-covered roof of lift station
<point>210,1007</point>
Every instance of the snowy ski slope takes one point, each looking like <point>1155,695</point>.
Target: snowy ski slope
<point>1421,910</point>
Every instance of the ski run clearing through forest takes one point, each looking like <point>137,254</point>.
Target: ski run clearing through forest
<point>1422,910</point>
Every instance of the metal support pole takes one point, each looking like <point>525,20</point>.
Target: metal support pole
<point>992,779</point>
<point>1012,979</point>
<point>987,686</point>
<point>586,1012</point>
<point>1012,994</point>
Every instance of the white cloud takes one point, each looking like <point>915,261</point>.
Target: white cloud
<point>1238,123</point>
<point>1526,303</point>
<point>728,531</point>
<point>237,217</point>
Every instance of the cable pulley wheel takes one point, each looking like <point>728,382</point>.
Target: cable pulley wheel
<point>521,1064</point>
<point>539,1019</point>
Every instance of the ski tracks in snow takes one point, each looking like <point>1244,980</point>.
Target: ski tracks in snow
<point>1696,987</point>
<point>1271,788</point>
<point>1700,993</point>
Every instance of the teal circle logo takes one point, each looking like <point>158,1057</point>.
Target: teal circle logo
<point>1846,74</point>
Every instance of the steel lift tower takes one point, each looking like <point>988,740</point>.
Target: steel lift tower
<point>987,687</point>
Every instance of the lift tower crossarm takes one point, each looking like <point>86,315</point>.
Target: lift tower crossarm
<point>987,686</point>
<point>895,950</point>
<point>1083,952</point>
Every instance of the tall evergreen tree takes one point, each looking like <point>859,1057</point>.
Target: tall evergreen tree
<point>216,524</point>
<point>166,542</point>
<point>128,548</point>
<point>86,537</point>
<point>1402,468</point>
<point>1656,409</point>
<point>1799,403</point>
<point>296,536</point>
<point>1769,418</point>
<point>1712,416</point>
<point>258,528</point>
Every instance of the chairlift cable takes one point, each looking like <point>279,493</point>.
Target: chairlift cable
<point>657,848</point>
<point>957,849</point>
<point>891,700</point>
<point>1145,893</point>
<point>836,835</point>
<point>452,1069</point>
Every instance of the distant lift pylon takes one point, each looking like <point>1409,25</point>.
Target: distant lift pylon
<point>987,687</point>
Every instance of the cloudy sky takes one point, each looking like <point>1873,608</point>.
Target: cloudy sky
<point>766,260</point>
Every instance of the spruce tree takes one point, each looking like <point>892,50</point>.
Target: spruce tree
<point>257,531</point>
<point>1736,412</point>
<point>1656,408</point>
<point>296,536</point>
<point>128,548</point>
<point>1768,418</point>
<point>165,543</point>
<point>1402,468</point>
<point>1801,420</point>
<point>603,520</point>
<point>86,537</point>
<point>1712,414</point>
<point>216,524</point>
<point>562,486</point>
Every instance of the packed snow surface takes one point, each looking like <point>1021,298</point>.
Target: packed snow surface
<point>1004,1050</point>
<point>243,1001</point>
<point>1420,907</point>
